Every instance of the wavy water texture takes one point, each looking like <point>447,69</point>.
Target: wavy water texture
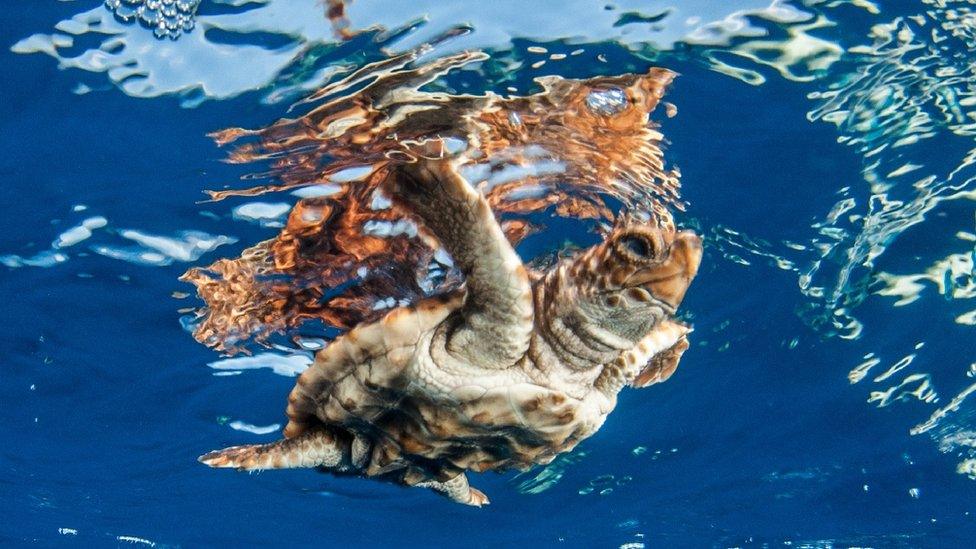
<point>96,234</point>
<point>283,42</point>
<point>295,46</point>
<point>910,98</point>
<point>899,101</point>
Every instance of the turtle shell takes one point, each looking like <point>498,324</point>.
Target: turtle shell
<point>410,418</point>
<point>380,384</point>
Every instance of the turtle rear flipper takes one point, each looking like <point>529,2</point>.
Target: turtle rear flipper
<point>495,323</point>
<point>320,448</point>
<point>458,490</point>
<point>313,448</point>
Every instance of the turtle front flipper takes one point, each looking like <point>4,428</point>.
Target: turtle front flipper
<point>494,325</point>
<point>662,366</point>
<point>313,448</point>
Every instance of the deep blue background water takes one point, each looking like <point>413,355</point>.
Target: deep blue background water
<point>105,400</point>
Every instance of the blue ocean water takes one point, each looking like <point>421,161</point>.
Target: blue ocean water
<point>827,156</point>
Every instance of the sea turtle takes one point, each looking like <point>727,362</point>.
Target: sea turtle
<point>507,372</point>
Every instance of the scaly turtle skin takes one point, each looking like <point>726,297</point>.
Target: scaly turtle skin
<point>507,372</point>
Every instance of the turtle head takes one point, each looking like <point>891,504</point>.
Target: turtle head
<point>615,293</point>
<point>643,269</point>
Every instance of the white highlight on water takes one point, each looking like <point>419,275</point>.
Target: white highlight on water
<point>284,365</point>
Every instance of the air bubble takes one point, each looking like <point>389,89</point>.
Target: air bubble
<point>607,102</point>
<point>166,18</point>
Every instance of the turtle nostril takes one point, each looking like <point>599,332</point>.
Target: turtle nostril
<point>640,295</point>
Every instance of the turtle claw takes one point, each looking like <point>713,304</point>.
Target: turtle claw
<point>239,457</point>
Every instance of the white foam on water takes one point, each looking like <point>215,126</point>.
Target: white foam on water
<point>79,233</point>
<point>265,214</point>
<point>255,429</point>
<point>390,228</point>
<point>290,365</point>
<point>46,258</point>
<point>159,250</point>
<point>315,191</point>
<point>135,540</point>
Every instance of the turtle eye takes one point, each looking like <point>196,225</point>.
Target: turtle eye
<point>637,246</point>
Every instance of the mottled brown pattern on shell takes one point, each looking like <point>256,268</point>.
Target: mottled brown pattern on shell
<point>425,436</point>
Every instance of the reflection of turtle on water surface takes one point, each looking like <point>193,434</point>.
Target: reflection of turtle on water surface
<point>515,365</point>
<point>507,372</point>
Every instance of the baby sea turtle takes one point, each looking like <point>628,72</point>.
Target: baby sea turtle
<point>507,372</point>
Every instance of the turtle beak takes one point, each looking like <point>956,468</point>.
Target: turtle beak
<point>669,280</point>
